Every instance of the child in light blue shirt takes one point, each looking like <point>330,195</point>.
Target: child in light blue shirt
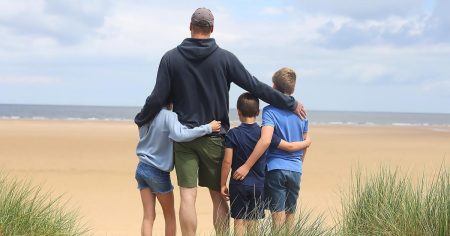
<point>155,153</point>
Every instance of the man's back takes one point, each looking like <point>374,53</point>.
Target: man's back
<point>287,126</point>
<point>199,82</point>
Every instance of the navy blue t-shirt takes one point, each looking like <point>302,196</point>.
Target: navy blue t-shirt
<point>242,140</point>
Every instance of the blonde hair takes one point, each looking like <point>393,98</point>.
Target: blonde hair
<point>284,80</point>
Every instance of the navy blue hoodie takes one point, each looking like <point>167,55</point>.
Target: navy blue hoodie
<point>196,76</point>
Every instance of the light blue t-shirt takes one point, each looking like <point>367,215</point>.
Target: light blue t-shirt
<point>288,126</point>
<point>156,138</point>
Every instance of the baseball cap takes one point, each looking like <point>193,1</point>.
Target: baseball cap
<point>202,17</point>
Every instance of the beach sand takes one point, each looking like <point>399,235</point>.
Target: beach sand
<point>92,163</point>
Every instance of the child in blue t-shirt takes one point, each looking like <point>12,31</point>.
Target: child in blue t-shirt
<point>284,169</point>
<point>247,196</point>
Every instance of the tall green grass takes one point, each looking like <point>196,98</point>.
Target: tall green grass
<point>388,203</point>
<point>384,203</point>
<point>27,210</point>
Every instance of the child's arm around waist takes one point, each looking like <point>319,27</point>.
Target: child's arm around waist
<point>181,133</point>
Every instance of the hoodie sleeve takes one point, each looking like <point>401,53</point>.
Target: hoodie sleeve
<point>181,133</point>
<point>241,77</point>
<point>159,95</point>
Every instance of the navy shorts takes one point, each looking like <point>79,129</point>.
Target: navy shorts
<point>281,190</point>
<point>148,176</point>
<point>246,202</point>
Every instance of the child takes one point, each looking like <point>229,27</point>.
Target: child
<point>284,169</point>
<point>247,196</point>
<point>155,154</point>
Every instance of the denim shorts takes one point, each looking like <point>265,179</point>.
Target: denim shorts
<point>281,190</point>
<point>148,176</point>
<point>246,202</point>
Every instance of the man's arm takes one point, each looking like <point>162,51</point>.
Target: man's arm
<point>241,77</point>
<point>226,166</point>
<point>158,97</point>
<point>295,146</point>
<point>262,145</point>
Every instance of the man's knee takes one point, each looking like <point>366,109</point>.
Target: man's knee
<point>188,194</point>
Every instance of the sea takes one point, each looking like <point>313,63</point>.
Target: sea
<point>126,114</point>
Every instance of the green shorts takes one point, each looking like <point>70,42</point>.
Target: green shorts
<point>199,159</point>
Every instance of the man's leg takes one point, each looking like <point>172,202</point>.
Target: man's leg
<point>186,166</point>
<point>188,214</point>
<point>210,151</point>
<point>221,218</point>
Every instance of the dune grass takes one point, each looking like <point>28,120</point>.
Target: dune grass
<point>384,203</point>
<point>388,203</point>
<point>28,210</point>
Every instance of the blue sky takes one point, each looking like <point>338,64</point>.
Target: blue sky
<point>349,55</point>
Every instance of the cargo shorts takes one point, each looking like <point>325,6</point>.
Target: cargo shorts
<point>199,161</point>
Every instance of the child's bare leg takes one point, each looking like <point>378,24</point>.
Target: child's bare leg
<point>290,219</point>
<point>167,205</point>
<point>148,204</point>
<point>278,219</point>
<point>239,227</point>
<point>252,227</point>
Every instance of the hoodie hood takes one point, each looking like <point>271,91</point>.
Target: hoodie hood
<point>197,49</point>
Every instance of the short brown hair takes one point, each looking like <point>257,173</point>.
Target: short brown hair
<point>201,29</point>
<point>248,105</point>
<point>284,80</point>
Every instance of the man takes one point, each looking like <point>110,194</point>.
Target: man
<point>197,75</point>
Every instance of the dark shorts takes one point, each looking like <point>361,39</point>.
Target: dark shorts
<point>246,202</point>
<point>148,176</point>
<point>199,160</point>
<point>281,190</point>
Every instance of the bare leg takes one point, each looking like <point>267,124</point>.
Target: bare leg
<point>290,218</point>
<point>278,219</point>
<point>188,214</point>
<point>221,218</point>
<point>239,227</point>
<point>148,204</point>
<point>252,227</point>
<point>167,205</point>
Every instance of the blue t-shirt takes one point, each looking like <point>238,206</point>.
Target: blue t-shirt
<point>288,126</point>
<point>242,140</point>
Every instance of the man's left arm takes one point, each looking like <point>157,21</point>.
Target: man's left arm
<point>241,77</point>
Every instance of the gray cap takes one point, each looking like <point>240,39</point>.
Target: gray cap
<point>202,17</point>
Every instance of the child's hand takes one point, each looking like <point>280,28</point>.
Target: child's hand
<point>241,172</point>
<point>215,126</point>
<point>224,192</point>
<point>308,140</point>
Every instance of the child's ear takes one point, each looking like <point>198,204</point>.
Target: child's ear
<point>257,113</point>
<point>239,113</point>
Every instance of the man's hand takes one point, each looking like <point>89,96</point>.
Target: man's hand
<point>300,111</point>
<point>224,192</point>
<point>241,172</point>
<point>215,126</point>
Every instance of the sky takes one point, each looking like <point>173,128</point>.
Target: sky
<point>374,55</point>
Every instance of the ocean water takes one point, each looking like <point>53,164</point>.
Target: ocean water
<point>57,112</point>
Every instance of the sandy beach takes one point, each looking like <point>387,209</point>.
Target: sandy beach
<point>92,163</point>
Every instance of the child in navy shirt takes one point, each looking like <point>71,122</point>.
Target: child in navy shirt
<point>247,196</point>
